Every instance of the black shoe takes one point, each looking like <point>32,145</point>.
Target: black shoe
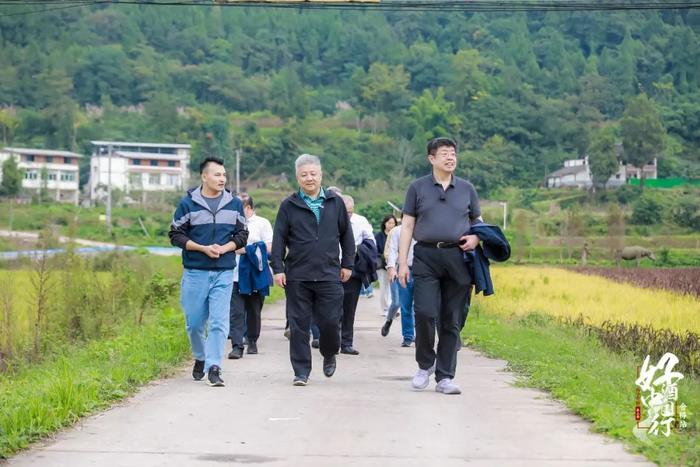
<point>235,353</point>
<point>214,378</point>
<point>329,366</point>
<point>386,327</point>
<point>252,347</point>
<point>406,343</point>
<point>198,370</point>
<point>300,381</point>
<point>315,344</point>
<point>349,351</point>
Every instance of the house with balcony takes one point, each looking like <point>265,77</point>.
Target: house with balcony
<point>55,172</point>
<point>137,168</point>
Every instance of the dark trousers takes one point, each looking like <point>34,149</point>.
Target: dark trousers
<point>351,294</point>
<point>321,301</point>
<point>441,291</point>
<point>244,316</point>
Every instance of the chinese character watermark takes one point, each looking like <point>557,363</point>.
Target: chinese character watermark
<point>657,397</point>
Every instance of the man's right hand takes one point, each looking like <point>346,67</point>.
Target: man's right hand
<point>403,275</point>
<point>391,272</point>
<point>281,279</point>
<point>211,251</point>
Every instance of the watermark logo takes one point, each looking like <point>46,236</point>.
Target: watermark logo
<point>657,399</point>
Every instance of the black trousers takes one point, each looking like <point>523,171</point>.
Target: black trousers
<point>351,294</point>
<point>441,292</point>
<point>244,316</point>
<point>322,301</point>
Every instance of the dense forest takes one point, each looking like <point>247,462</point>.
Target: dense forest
<point>521,92</point>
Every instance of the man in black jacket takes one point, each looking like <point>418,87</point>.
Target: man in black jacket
<point>312,226</point>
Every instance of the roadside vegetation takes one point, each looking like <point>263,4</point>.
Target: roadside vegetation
<point>582,339</point>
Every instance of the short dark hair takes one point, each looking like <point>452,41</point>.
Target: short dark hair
<point>248,201</point>
<point>436,143</point>
<point>206,162</point>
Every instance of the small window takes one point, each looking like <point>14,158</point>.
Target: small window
<point>49,159</point>
<point>137,161</point>
<point>66,160</point>
<point>52,176</point>
<point>171,163</point>
<point>154,179</point>
<point>30,158</point>
<point>154,163</point>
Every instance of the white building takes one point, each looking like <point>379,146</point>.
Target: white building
<point>576,173</point>
<point>57,172</point>
<point>142,167</point>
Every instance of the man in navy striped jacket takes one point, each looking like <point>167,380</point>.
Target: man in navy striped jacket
<point>209,225</point>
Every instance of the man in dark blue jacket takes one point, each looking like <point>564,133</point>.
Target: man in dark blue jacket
<point>312,225</point>
<point>209,225</point>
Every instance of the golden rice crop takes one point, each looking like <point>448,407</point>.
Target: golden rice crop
<point>567,294</point>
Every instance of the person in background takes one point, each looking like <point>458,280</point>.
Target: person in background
<point>388,223</point>
<point>403,294</point>
<point>246,301</point>
<point>365,248</point>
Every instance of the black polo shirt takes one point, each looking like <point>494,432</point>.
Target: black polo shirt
<point>441,215</point>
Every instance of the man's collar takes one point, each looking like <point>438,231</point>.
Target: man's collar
<point>435,182</point>
<point>321,194</point>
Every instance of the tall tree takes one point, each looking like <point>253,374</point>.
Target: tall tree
<point>602,156</point>
<point>11,178</point>
<point>643,135</point>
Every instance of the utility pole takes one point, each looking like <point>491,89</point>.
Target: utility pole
<point>238,171</point>
<point>108,213</point>
<point>505,213</point>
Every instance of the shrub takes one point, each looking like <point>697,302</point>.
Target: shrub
<point>646,211</point>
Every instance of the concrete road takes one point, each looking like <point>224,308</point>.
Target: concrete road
<point>365,415</point>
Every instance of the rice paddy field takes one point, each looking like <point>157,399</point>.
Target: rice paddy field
<point>522,290</point>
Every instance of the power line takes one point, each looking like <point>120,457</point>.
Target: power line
<point>386,5</point>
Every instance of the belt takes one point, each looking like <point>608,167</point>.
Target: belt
<point>439,244</point>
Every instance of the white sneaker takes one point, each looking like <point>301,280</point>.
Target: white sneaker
<point>447,386</point>
<point>422,378</point>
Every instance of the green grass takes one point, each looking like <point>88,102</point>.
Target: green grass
<point>126,228</point>
<point>591,380</point>
<point>41,399</point>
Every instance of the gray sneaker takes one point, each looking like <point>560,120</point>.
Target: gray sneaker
<point>447,386</point>
<point>422,378</point>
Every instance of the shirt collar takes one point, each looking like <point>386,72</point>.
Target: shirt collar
<point>435,182</point>
<point>304,196</point>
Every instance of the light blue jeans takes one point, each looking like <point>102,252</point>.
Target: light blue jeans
<point>402,297</point>
<point>407,318</point>
<point>205,296</point>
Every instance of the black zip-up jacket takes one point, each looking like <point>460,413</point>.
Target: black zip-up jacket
<point>306,250</point>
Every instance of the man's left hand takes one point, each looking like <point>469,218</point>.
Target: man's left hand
<point>470,242</point>
<point>345,274</point>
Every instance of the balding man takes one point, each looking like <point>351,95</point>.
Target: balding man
<point>362,232</point>
<point>311,229</point>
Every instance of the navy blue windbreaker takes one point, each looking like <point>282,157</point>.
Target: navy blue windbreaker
<point>193,220</point>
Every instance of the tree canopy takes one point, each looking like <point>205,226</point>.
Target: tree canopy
<point>520,92</point>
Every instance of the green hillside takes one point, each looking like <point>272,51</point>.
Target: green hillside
<point>364,89</point>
